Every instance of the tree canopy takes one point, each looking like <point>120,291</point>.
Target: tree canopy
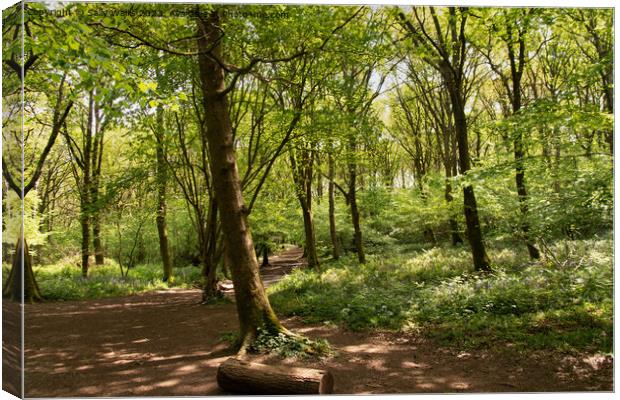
<point>211,135</point>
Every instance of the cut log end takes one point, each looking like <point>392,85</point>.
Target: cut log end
<point>244,377</point>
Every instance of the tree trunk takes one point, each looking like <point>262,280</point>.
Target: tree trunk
<point>265,262</point>
<point>428,234</point>
<point>97,244</point>
<point>208,246</point>
<point>357,230</point>
<point>95,170</point>
<point>14,287</point>
<point>474,232</point>
<point>94,207</point>
<point>162,181</point>
<point>607,80</point>
<point>239,376</point>
<point>210,288</point>
<point>450,169</point>
<point>85,196</point>
<point>522,193</point>
<point>253,308</point>
<point>310,243</point>
<point>454,226</point>
<point>516,74</point>
<point>332,209</point>
<point>352,197</point>
<point>319,185</point>
<point>455,238</point>
<point>302,177</point>
<point>84,222</point>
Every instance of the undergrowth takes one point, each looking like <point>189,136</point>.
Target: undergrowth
<point>283,345</point>
<point>65,282</point>
<point>563,301</point>
<point>289,346</point>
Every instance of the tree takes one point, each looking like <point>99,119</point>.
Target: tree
<point>217,128</point>
<point>86,157</point>
<point>189,165</point>
<point>297,96</point>
<point>356,97</point>
<point>168,79</point>
<point>253,307</point>
<point>433,104</point>
<point>410,136</point>
<point>513,31</point>
<point>447,51</point>
<point>20,64</point>
<point>597,47</point>
<point>162,183</point>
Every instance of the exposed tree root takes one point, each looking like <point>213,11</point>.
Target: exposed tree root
<point>281,341</point>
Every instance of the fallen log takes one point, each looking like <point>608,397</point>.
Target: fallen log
<point>244,377</point>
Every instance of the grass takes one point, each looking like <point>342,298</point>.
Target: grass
<point>63,281</point>
<point>564,302</point>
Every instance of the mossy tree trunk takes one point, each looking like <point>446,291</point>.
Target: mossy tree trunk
<point>97,242</point>
<point>302,160</point>
<point>516,46</point>
<point>454,226</point>
<point>253,308</point>
<point>352,197</point>
<point>96,160</point>
<point>472,221</point>
<point>332,208</point>
<point>210,256</point>
<point>446,51</point>
<point>162,182</point>
<point>85,204</point>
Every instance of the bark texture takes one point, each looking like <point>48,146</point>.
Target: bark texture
<point>472,221</point>
<point>352,198</point>
<point>517,65</point>
<point>302,168</point>
<point>244,377</point>
<point>162,182</point>
<point>450,59</point>
<point>253,306</point>
<point>333,234</point>
<point>86,192</point>
<point>96,159</point>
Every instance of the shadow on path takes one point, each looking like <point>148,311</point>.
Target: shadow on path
<point>166,344</point>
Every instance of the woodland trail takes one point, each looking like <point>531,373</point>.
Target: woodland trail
<point>166,344</point>
<point>280,265</point>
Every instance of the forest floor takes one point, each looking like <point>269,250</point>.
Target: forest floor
<point>166,343</point>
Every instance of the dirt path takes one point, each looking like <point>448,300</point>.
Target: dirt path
<point>282,264</point>
<point>279,265</point>
<point>167,344</point>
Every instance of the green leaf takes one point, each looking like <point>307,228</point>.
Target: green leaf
<point>73,45</point>
<point>143,87</point>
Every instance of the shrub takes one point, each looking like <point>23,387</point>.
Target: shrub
<point>435,291</point>
<point>65,282</point>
